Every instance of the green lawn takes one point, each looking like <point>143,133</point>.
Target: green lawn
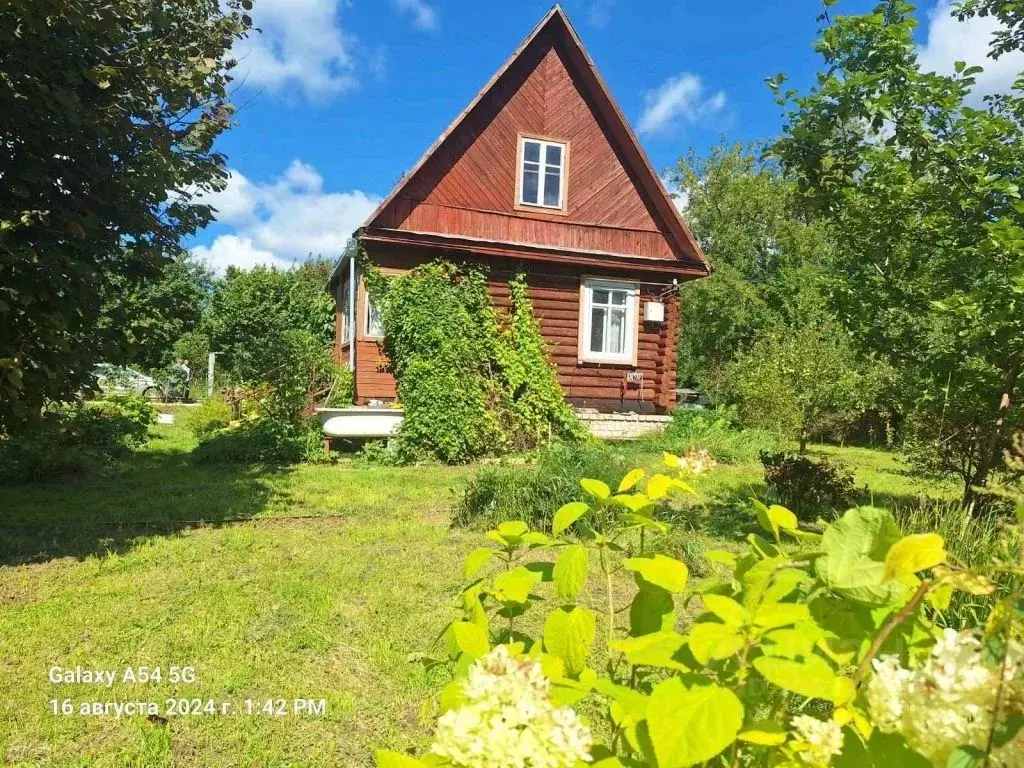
<point>310,583</point>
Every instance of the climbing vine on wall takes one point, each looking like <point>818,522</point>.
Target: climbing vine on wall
<point>473,381</point>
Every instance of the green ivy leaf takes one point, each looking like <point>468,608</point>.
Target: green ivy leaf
<point>775,518</point>
<point>689,726</point>
<point>567,515</point>
<point>569,635</point>
<point>665,572</point>
<point>570,572</point>
<point>513,531</point>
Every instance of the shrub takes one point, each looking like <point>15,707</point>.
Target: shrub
<point>716,431</point>
<point>807,486</point>
<point>75,440</point>
<point>207,418</point>
<point>530,493</point>
<point>806,650</point>
<point>474,382</point>
<point>260,440</point>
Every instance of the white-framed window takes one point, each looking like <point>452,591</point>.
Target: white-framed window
<point>542,173</point>
<point>344,320</point>
<point>609,326</point>
<point>374,323</point>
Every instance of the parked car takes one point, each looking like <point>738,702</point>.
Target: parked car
<point>113,379</point>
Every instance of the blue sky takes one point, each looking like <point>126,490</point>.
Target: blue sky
<point>337,98</point>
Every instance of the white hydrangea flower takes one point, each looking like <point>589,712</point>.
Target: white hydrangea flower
<point>508,720</point>
<point>817,741</point>
<point>948,702</point>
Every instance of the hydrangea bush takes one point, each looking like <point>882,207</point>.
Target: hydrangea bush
<point>812,648</point>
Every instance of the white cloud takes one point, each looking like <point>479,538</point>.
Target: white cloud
<point>234,251</point>
<point>950,40</point>
<point>681,97</point>
<point>680,197</point>
<point>600,12</point>
<point>301,46</point>
<point>284,221</point>
<point>423,14</point>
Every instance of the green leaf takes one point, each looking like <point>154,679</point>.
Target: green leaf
<point>775,518</point>
<point>386,759</point>
<point>690,726</point>
<point>570,572</point>
<point>965,757</point>
<point>652,610</point>
<point>657,486</point>
<point>567,515</point>
<point>631,479</point>
<point>772,615</point>
<point>660,649</point>
<point>855,547</point>
<point>721,557</point>
<point>471,639</point>
<point>912,554</point>
<point>475,561</point>
<point>710,640</point>
<point>665,572</point>
<point>765,733</point>
<point>569,635</point>
<point>513,531</point>
<point>596,488</point>
<point>514,586</point>
<point>725,608</point>
<point>812,677</point>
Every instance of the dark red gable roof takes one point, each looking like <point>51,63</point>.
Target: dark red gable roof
<point>654,235</point>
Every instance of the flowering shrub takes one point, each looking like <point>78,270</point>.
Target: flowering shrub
<point>814,648</point>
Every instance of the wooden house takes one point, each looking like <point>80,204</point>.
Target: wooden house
<point>542,175</point>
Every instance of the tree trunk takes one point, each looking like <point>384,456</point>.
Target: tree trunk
<point>803,441</point>
<point>991,449</point>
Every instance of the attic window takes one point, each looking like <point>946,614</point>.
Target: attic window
<point>542,173</point>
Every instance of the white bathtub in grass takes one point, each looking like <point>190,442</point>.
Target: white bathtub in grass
<point>356,422</point>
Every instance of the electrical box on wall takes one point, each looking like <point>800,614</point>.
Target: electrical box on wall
<point>654,312</point>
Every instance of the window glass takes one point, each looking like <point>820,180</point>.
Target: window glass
<point>374,322</point>
<point>612,326</point>
<point>531,186</point>
<point>553,189</point>
<point>543,173</point>
<point>344,318</point>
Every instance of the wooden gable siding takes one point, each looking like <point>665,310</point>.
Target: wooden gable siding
<point>468,185</point>
<point>555,294</point>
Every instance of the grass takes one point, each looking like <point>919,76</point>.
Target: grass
<point>307,583</point>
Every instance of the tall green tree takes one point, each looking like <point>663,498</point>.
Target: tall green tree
<point>154,315</point>
<point>108,114</point>
<point>251,311</point>
<point>923,193</point>
<point>763,249</point>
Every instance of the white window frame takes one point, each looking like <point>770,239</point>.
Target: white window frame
<point>542,170</point>
<point>367,333</point>
<point>629,346</point>
<point>344,302</point>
